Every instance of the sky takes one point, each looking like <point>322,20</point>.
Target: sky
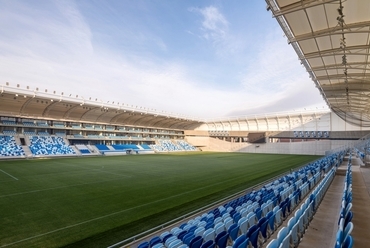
<point>201,59</point>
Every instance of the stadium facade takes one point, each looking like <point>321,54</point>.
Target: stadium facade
<point>87,123</point>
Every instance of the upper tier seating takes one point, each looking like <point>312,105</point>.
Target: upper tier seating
<point>29,123</point>
<point>59,125</point>
<point>47,145</point>
<point>7,122</point>
<point>9,132</point>
<point>42,124</point>
<point>9,148</point>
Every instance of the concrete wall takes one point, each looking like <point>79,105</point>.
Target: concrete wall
<point>307,147</point>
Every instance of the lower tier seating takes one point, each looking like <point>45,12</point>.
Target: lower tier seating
<point>49,145</point>
<point>9,148</point>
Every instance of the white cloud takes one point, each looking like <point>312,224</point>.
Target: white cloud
<point>214,25</point>
<point>60,54</point>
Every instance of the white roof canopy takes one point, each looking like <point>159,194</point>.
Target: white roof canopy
<point>332,40</point>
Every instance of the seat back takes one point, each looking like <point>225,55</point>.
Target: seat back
<point>239,240</point>
<point>282,234</point>
<point>209,234</point>
<point>348,242</point>
<point>222,241</point>
<point>233,231</point>
<point>273,244</point>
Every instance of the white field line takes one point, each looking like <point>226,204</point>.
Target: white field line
<point>9,175</point>
<point>114,213</point>
<point>107,172</point>
<point>61,187</point>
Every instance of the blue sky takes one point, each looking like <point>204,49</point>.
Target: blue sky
<point>202,59</point>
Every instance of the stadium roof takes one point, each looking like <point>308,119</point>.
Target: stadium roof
<point>25,103</point>
<point>332,40</point>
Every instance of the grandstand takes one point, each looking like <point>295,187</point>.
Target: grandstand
<point>287,211</point>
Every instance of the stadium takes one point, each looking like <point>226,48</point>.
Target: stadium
<point>82,172</point>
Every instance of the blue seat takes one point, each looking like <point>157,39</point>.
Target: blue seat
<point>347,230</point>
<point>159,245</point>
<point>295,236</point>
<point>348,218</point>
<point>196,242</point>
<point>233,231</point>
<point>239,240</point>
<point>154,241</point>
<point>339,239</point>
<point>170,240</point>
<point>253,234</point>
<point>271,224</point>
<point>187,238</point>
<point>243,225</point>
<point>273,244</point>
<point>143,245</point>
<point>181,235</point>
<point>221,239</point>
<point>291,223</point>
<point>243,244</point>
<point>236,217</point>
<point>263,223</point>
<point>175,243</point>
<point>286,241</point>
<point>169,235</point>
<point>348,242</point>
<point>208,244</point>
<point>209,234</point>
<point>258,213</point>
<point>282,234</point>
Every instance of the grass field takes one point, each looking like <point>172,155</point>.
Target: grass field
<point>98,201</point>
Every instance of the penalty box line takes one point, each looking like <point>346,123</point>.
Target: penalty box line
<point>9,175</point>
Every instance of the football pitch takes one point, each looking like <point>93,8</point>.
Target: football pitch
<point>99,201</point>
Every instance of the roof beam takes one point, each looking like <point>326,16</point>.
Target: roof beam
<point>349,76</point>
<point>352,65</point>
<point>337,30</point>
<point>299,5</point>
<point>337,51</point>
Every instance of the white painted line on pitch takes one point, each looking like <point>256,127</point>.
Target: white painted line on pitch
<point>9,175</point>
<point>111,214</point>
<point>61,187</point>
<point>107,172</point>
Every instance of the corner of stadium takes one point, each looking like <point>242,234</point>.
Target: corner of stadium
<point>79,172</point>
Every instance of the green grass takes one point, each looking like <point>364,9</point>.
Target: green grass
<point>98,201</point>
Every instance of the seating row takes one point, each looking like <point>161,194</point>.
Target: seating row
<point>48,145</point>
<point>9,148</point>
<point>345,226</point>
<point>290,235</point>
<point>170,146</point>
<point>250,219</point>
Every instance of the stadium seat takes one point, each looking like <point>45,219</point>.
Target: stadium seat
<point>253,235</point>
<point>208,244</point>
<point>273,244</point>
<point>221,239</point>
<point>348,242</point>
<point>196,242</point>
<point>233,231</point>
